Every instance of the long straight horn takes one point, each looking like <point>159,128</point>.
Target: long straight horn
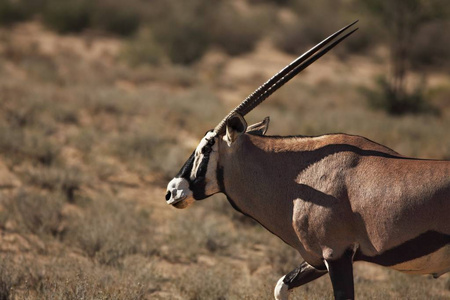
<point>286,74</point>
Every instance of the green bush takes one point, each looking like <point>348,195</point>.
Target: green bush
<point>315,20</point>
<point>12,12</point>
<point>387,99</point>
<point>117,19</point>
<point>142,49</point>
<point>437,35</point>
<point>185,41</point>
<point>302,31</point>
<point>276,2</point>
<point>289,37</point>
<point>185,37</point>
<point>67,16</point>
<point>181,32</point>
<point>235,32</point>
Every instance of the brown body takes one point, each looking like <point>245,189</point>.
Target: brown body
<point>330,193</point>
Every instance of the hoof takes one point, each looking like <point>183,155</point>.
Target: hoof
<point>281,290</point>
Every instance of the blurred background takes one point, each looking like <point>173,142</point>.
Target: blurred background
<point>102,101</point>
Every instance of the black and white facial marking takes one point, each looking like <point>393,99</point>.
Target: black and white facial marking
<point>197,179</point>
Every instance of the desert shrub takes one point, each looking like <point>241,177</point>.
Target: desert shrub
<point>277,2</point>
<point>65,277</point>
<point>177,75</point>
<point>303,31</point>
<point>11,140</point>
<point>10,277</point>
<point>296,36</point>
<point>431,45</point>
<point>187,110</point>
<point>181,32</point>
<point>386,99</point>
<point>140,144</point>
<point>66,114</point>
<point>290,38</point>
<point>234,32</point>
<point>441,97</point>
<point>34,110</point>
<point>85,285</point>
<point>314,21</point>
<point>115,18</point>
<point>362,41</point>
<point>65,180</point>
<point>185,43</point>
<point>42,67</point>
<point>208,283</point>
<point>110,101</point>
<point>39,214</point>
<point>119,230</point>
<point>197,234</point>
<point>13,11</point>
<point>142,147</point>
<point>17,144</point>
<point>67,16</point>
<point>142,49</point>
<point>23,115</point>
<point>84,140</point>
<point>40,148</point>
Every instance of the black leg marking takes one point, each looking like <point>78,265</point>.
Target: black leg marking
<point>302,275</point>
<point>341,274</point>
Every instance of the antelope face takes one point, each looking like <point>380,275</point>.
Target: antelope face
<point>197,178</point>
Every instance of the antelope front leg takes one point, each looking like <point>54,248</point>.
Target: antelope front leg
<point>341,274</point>
<point>299,276</point>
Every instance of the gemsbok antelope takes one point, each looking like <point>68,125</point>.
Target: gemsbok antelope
<point>336,198</point>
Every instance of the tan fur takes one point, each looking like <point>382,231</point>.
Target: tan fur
<point>323,195</point>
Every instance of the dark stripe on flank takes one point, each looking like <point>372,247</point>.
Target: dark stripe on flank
<point>424,244</point>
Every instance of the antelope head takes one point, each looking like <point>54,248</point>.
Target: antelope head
<point>199,177</point>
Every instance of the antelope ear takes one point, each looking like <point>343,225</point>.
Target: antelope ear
<point>236,125</point>
<point>259,128</point>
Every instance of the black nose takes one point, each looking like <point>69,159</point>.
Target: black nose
<point>168,195</point>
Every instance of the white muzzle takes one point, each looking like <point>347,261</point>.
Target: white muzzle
<point>177,190</point>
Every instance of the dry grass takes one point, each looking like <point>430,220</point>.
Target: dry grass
<point>92,143</point>
<point>27,279</point>
<point>65,180</point>
<point>35,213</point>
<point>115,233</point>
